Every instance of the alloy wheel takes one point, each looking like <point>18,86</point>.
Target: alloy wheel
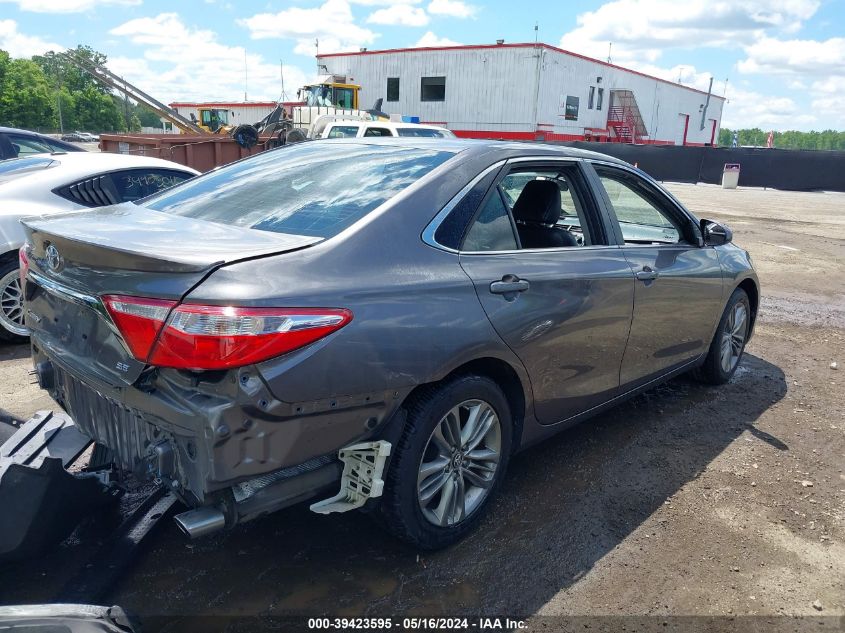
<point>733,337</point>
<point>11,304</point>
<point>459,463</point>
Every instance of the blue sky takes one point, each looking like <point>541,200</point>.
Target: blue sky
<point>784,60</point>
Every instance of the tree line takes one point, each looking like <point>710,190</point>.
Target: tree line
<point>791,139</point>
<point>49,94</point>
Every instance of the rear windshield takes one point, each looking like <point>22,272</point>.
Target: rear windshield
<point>423,132</point>
<point>16,167</point>
<point>314,189</point>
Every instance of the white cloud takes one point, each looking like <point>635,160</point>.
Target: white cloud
<point>383,3</point>
<point>178,62</point>
<point>67,6</point>
<point>748,109</point>
<point>643,29</point>
<point>452,8</point>
<point>331,23</point>
<point>18,44</point>
<point>430,40</point>
<point>399,14</point>
<point>774,56</point>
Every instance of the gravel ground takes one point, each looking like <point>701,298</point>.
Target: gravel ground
<point>687,501</point>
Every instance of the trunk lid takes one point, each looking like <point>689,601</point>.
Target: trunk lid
<point>76,258</point>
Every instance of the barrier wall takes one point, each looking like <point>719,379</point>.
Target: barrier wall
<point>794,170</point>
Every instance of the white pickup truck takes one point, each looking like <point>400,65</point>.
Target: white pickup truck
<point>358,129</point>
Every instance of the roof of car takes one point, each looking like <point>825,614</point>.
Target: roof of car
<point>508,149</point>
<point>108,160</point>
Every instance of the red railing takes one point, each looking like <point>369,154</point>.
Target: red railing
<point>622,125</point>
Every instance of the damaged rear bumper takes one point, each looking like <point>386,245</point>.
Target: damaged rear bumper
<point>226,446</point>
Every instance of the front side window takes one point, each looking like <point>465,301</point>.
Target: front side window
<point>433,89</point>
<point>27,145</point>
<point>309,189</point>
<point>640,217</point>
<point>343,98</point>
<point>393,88</point>
<point>343,131</point>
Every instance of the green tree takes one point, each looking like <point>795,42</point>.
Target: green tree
<point>148,118</point>
<point>790,139</point>
<point>25,96</point>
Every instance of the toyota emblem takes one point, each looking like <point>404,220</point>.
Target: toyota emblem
<point>54,259</point>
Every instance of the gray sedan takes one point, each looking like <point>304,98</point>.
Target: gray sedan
<point>382,323</point>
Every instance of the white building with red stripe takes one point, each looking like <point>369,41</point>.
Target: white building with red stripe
<point>529,92</point>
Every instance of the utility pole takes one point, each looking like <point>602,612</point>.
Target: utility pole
<point>609,50</point>
<point>59,94</point>
<point>536,32</point>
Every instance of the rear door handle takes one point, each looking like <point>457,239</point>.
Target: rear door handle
<point>647,274</point>
<point>510,285</point>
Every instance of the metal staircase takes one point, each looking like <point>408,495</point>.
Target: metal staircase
<point>624,122</point>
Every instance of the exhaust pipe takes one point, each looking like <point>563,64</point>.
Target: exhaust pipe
<point>201,522</point>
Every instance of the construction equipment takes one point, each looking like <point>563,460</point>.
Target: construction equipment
<point>212,121</point>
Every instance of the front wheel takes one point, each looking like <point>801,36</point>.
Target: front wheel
<point>728,343</point>
<point>448,463</point>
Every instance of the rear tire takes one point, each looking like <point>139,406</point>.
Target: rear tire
<point>728,342</point>
<point>12,328</point>
<point>440,483</point>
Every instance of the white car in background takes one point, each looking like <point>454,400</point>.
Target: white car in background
<point>361,129</point>
<point>41,184</point>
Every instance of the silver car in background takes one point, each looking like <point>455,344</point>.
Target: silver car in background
<point>41,184</point>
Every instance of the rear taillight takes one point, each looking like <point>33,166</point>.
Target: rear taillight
<point>23,263</point>
<point>139,321</point>
<point>217,337</point>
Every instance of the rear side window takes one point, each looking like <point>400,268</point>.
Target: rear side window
<point>423,132</point>
<point>343,131</point>
<point>377,131</point>
<point>134,184</point>
<point>492,229</point>
<point>127,185</point>
<point>309,189</point>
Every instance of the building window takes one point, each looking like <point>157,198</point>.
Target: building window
<point>393,88</point>
<point>600,99</point>
<point>571,113</point>
<point>433,89</point>
<point>591,98</point>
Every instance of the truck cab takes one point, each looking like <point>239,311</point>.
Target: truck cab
<point>332,94</point>
<point>212,119</point>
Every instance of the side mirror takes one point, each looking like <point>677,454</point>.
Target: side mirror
<point>715,234</point>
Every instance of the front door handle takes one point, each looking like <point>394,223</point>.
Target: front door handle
<point>647,274</point>
<point>510,285</point>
